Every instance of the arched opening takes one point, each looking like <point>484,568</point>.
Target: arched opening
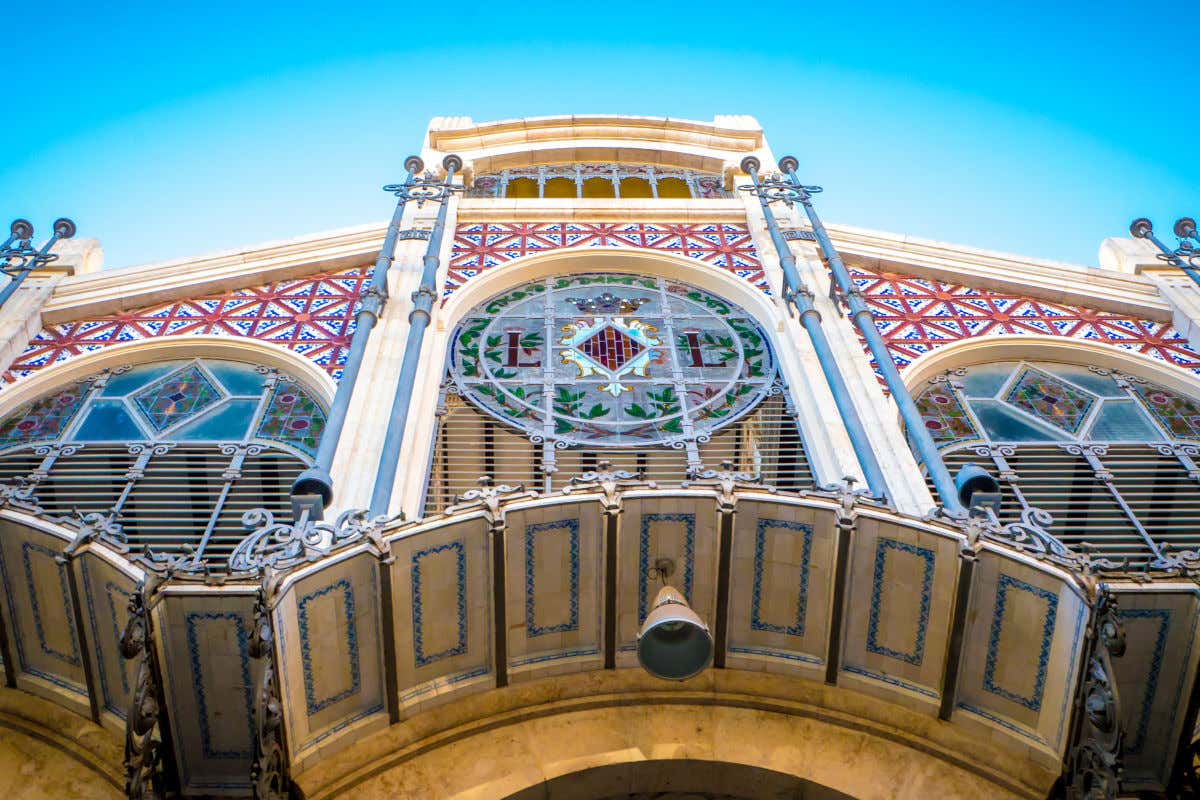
<point>521,188</point>
<point>678,779</point>
<point>599,188</point>
<point>174,451</point>
<point>559,188</point>
<point>636,188</point>
<point>554,378</point>
<point>1111,455</point>
<point>674,188</point>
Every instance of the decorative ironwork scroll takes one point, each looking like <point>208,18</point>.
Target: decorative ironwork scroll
<point>269,770</point>
<point>280,545</point>
<point>146,775</point>
<point>1093,763</point>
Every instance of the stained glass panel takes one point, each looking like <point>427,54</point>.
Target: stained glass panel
<point>945,418</point>
<point>613,360</point>
<point>176,397</point>
<point>1050,399</point>
<point>45,418</point>
<point>1179,415</point>
<point>292,417</point>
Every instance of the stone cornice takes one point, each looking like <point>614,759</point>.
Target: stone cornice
<point>112,291</point>
<point>1058,282</point>
<point>735,134</point>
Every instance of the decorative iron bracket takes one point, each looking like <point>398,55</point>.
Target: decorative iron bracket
<point>269,772</point>
<point>148,772</point>
<point>610,482</point>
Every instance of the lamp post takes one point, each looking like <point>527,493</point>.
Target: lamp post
<point>418,320</point>
<point>18,257</point>
<point>313,488</point>
<point>793,191</point>
<point>799,296</point>
<point>1186,256</point>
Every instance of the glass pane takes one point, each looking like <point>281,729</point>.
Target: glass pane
<point>1102,385</point>
<point>1123,421</point>
<point>1003,425</point>
<point>229,423</point>
<point>108,421</point>
<point>139,376</point>
<point>45,418</point>
<point>173,399</point>
<point>239,379</point>
<point>984,380</point>
<point>292,417</point>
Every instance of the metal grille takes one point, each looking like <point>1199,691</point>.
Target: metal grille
<point>191,496</point>
<point>1121,501</point>
<point>470,444</point>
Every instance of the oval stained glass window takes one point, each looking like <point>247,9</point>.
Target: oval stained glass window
<point>612,360</point>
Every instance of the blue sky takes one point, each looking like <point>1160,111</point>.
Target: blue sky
<point>167,130</point>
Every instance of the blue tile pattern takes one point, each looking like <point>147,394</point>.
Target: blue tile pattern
<point>419,655</point>
<point>18,640</point>
<point>571,527</point>
<point>354,679</point>
<point>891,680</point>
<point>927,556</point>
<point>689,552</point>
<point>70,657</point>
<point>760,539</point>
<point>1162,616</point>
<point>1006,584</point>
<point>242,635</point>
<point>784,654</point>
<point>111,592</point>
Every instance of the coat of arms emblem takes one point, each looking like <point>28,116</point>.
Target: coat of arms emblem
<point>611,343</point>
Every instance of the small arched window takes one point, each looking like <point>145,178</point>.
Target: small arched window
<point>173,451</point>
<point>1113,457</point>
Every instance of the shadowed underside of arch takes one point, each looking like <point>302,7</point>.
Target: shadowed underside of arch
<point>678,779</point>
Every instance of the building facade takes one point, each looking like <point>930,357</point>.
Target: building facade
<point>383,512</point>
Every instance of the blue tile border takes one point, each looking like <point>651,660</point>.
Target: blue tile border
<point>242,634</point>
<point>881,549</point>
<point>555,656</point>
<point>1069,689</point>
<point>760,537</point>
<point>892,681</point>
<point>1005,584</point>
<point>689,552</point>
<point>1003,723</point>
<point>71,658</point>
<point>785,655</point>
<point>532,629</point>
<point>312,704</point>
<point>110,591</point>
<point>419,655</point>
<point>1136,742</point>
<point>18,641</point>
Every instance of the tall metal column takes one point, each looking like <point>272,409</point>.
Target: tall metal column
<point>418,321</point>
<point>316,481</point>
<point>861,316</point>
<point>799,295</point>
<point>18,258</point>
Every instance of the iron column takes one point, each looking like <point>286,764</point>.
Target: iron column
<point>316,480</point>
<point>418,321</point>
<point>796,293</point>
<point>861,316</point>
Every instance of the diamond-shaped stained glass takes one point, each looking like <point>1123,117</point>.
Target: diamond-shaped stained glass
<point>1179,415</point>
<point>292,417</point>
<point>1051,399</point>
<point>45,418</point>
<point>610,348</point>
<point>176,397</point>
<point>944,416</point>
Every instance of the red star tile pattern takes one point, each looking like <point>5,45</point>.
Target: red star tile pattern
<point>482,246</point>
<point>918,315</point>
<point>312,316</point>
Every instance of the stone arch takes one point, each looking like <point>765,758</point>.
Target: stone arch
<point>521,742</point>
<point>311,376</point>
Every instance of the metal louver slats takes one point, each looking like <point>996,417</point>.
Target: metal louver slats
<point>470,444</point>
<point>1083,500</point>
